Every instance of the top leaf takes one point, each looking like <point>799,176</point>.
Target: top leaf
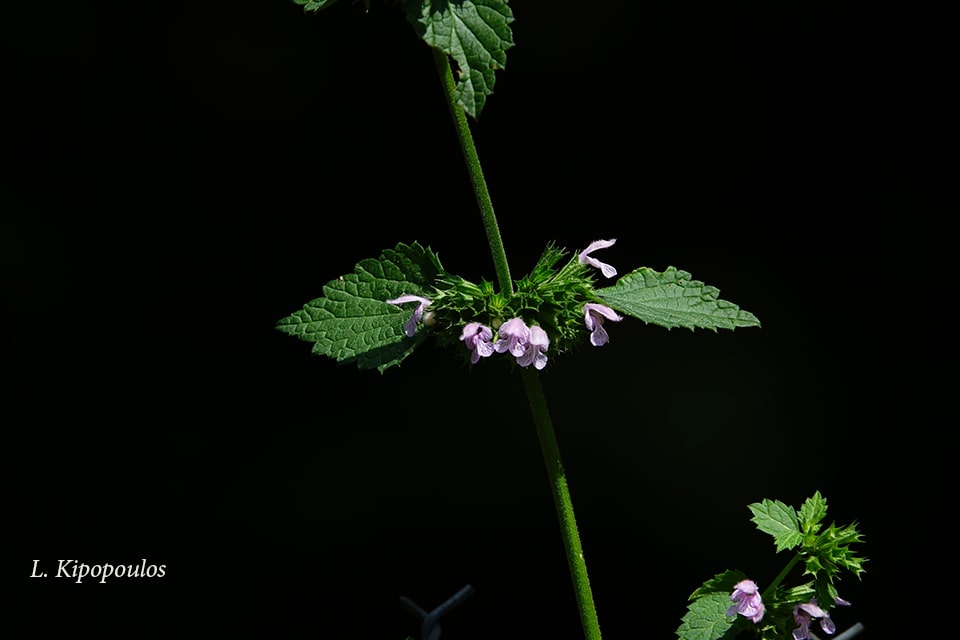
<point>354,323</point>
<point>672,299</point>
<point>779,520</point>
<point>476,33</point>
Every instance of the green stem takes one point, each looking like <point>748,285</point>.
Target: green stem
<point>780,576</point>
<point>476,173</point>
<point>538,402</point>
<point>564,505</point>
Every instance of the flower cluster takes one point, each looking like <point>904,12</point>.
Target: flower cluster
<point>527,343</point>
<point>746,601</point>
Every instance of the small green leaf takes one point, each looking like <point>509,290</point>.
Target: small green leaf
<point>779,520</point>
<point>672,299</point>
<point>814,509</point>
<point>353,322</point>
<point>706,619</point>
<point>476,33</point>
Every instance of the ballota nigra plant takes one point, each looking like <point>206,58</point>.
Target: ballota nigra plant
<point>391,305</point>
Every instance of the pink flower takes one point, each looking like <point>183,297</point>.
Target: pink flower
<point>527,344</point>
<point>746,599</point>
<point>593,315</point>
<point>512,336</point>
<point>804,614</point>
<point>410,326</point>
<point>479,339</point>
<point>585,258</point>
<point>536,351</point>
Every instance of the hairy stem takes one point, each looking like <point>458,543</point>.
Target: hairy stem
<point>538,402</point>
<point>780,576</point>
<point>563,503</point>
<point>476,173</point>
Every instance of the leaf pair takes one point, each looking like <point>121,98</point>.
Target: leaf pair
<point>353,322</point>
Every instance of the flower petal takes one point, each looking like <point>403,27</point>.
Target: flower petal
<point>484,348</point>
<point>585,258</point>
<point>612,315</point>
<point>410,326</point>
<point>745,586</point>
<point>540,362</point>
<point>588,318</point>
<point>410,298</point>
<point>827,625</point>
<point>469,330</point>
<point>598,244</point>
<point>812,610</point>
<point>599,336</point>
<point>539,337</point>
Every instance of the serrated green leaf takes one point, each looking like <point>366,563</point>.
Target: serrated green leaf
<point>475,33</point>
<point>779,520</point>
<point>352,321</point>
<point>706,619</point>
<point>720,583</point>
<point>673,299</point>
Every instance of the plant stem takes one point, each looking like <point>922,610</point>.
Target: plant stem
<point>563,503</point>
<point>780,576</point>
<point>476,173</point>
<point>538,402</point>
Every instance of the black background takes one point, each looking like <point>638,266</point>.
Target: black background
<point>180,176</point>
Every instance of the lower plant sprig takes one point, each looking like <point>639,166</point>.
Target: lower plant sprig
<point>730,603</point>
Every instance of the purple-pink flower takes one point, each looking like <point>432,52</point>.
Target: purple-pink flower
<point>585,257</point>
<point>410,326</point>
<point>536,350</point>
<point>593,315</point>
<point>746,599</point>
<point>479,339</point>
<point>804,614</point>
<point>527,344</point>
<point>512,336</point>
